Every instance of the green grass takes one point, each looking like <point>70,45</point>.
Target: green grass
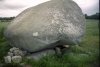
<point>4,45</point>
<point>85,55</point>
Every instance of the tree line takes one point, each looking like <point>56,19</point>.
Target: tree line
<point>94,16</point>
<point>6,19</point>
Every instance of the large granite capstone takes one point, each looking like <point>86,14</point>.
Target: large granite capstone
<point>56,22</point>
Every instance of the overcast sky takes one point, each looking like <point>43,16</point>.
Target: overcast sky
<point>10,8</point>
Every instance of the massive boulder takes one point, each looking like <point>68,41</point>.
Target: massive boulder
<point>47,25</point>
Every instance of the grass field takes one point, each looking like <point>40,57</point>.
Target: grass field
<point>86,55</point>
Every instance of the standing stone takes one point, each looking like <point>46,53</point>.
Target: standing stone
<point>7,59</point>
<point>16,59</point>
<point>38,27</point>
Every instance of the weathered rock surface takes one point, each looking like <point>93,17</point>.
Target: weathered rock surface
<point>38,27</point>
<point>7,59</point>
<point>38,55</point>
<point>14,55</point>
<point>16,59</point>
<point>16,52</point>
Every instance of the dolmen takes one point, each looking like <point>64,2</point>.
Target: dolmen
<point>47,28</point>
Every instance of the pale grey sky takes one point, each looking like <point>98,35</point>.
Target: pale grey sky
<point>9,8</point>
